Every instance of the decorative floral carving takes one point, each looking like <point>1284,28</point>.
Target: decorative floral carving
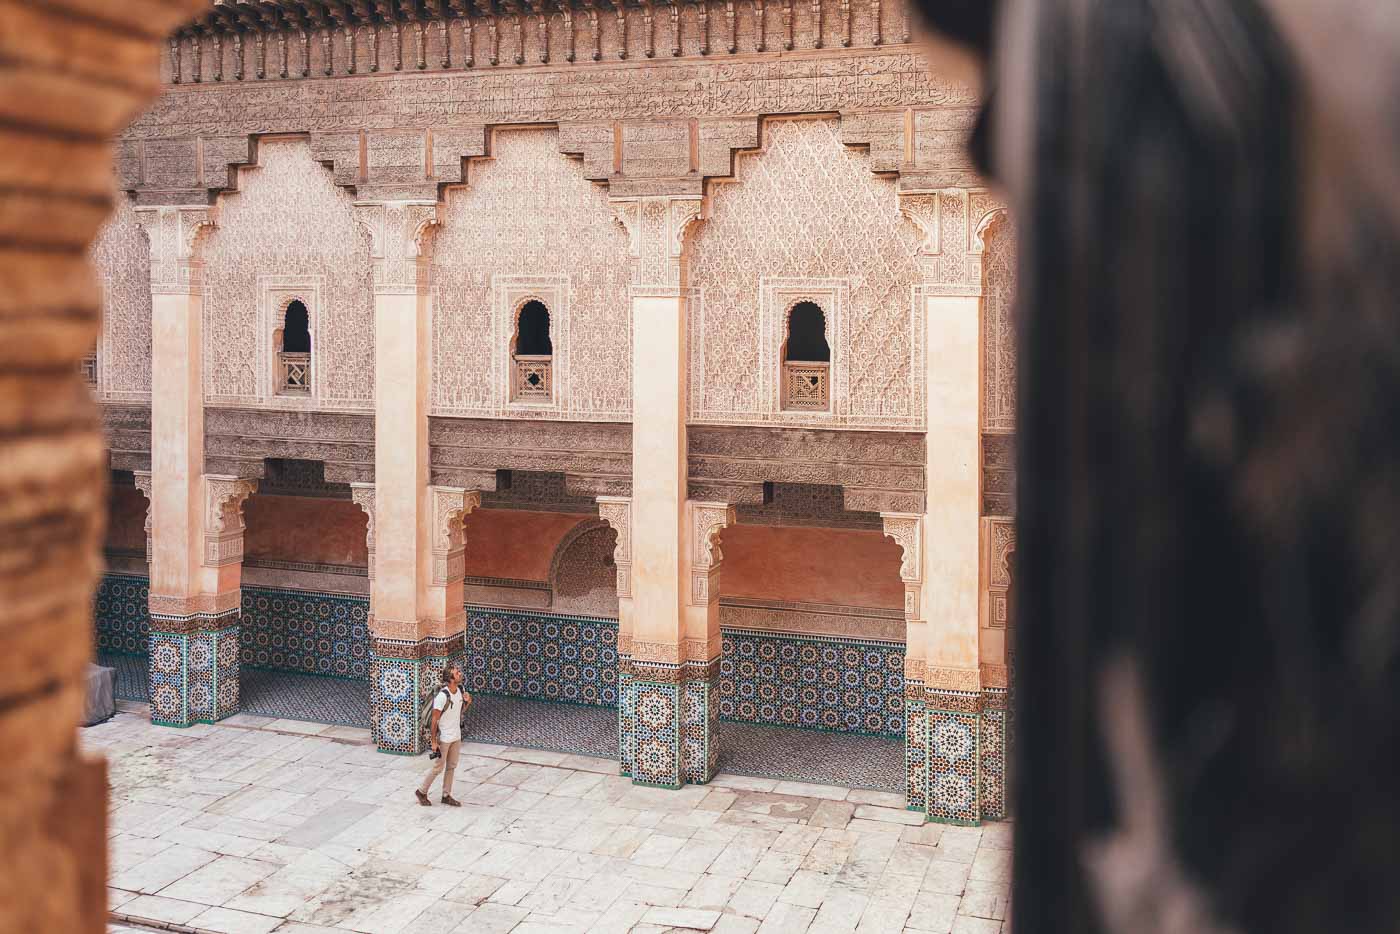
<point>122,258</point>
<point>922,211</point>
<point>451,506</point>
<point>530,211</point>
<point>223,520</point>
<point>616,511</point>
<point>288,219</point>
<point>806,206</point>
<point>998,323</point>
<point>907,532</point>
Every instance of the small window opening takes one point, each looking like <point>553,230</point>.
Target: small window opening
<point>806,360</point>
<point>294,351</point>
<point>533,355</point>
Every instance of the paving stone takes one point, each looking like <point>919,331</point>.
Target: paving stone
<point>160,908</point>
<point>228,921</point>
<point>933,912</point>
<point>690,919</point>
<point>304,833</point>
<point>982,899</point>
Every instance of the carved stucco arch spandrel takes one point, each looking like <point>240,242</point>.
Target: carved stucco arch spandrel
<point>362,494</point>
<point>707,520</point>
<point>907,531</point>
<point>143,483</point>
<point>451,506</point>
<point>401,243</point>
<point>616,511</point>
<point>224,525</point>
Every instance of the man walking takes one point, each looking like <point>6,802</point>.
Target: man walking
<point>445,735</point>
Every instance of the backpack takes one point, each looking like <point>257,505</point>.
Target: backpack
<point>425,715</point>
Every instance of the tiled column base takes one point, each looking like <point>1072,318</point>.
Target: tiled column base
<point>402,675</point>
<point>953,723</point>
<point>994,754</point>
<point>194,670</point>
<point>666,720</point>
<point>955,754</point>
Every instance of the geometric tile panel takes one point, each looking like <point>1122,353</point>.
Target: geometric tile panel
<point>916,757</point>
<point>953,766</point>
<point>845,759</point>
<point>655,715</point>
<point>542,656</point>
<point>169,679</point>
<point>122,614</point>
<point>699,718</point>
<point>395,688</point>
<point>626,726</point>
<point>814,682</point>
<point>193,678</point>
<point>305,631</point>
<point>995,751</point>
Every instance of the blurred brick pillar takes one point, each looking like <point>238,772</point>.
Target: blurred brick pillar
<point>71,75</point>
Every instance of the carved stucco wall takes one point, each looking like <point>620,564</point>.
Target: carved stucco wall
<point>529,213</point>
<point>998,328</point>
<point>123,261</point>
<point>584,577</point>
<point>288,231</point>
<point>806,216</point>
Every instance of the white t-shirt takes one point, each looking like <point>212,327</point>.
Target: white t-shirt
<point>450,722</point>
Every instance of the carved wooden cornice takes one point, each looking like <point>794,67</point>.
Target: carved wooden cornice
<point>281,32</point>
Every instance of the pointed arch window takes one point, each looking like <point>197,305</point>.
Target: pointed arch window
<point>532,354</point>
<point>806,360</point>
<point>293,341</point>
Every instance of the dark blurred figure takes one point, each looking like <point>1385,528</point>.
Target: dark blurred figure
<point>1208,580</point>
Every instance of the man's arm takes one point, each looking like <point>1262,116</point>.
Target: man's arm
<point>433,728</point>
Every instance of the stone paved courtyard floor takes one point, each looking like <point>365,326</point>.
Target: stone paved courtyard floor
<point>255,825</point>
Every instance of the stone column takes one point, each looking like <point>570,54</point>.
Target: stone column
<point>942,681</point>
<point>665,726</point>
<point>196,544</point>
<point>402,642</point>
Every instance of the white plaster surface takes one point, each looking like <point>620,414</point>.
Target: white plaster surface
<point>238,827</point>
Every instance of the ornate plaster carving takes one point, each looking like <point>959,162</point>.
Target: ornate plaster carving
<point>223,519</point>
<point>616,511</point>
<point>289,230</point>
<point>122,257</point>
<point>451,506</point>
<point>400,244</point>
<point>953,679</point>
<point>806,208</point>
<point>907,531</point>
<point>561,245</point>
<point>922,212</point>
<point>998,321</point>
<point>657,227</point>
<point>998,543</point>
<point>143,483</point>
<point>707,520</point>
<point>362,494</point>
<point>174,237</point>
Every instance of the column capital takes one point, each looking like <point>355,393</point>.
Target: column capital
<point>175,234</point>
<point>401,245</point>
<point>907,530</point>
<point>658,228</point>
<point>143,483</point>
<point>451,506</point>
<point>223,520</point>
<point>707,520</point>
<point>616,511</point>
<point>952,222</point>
